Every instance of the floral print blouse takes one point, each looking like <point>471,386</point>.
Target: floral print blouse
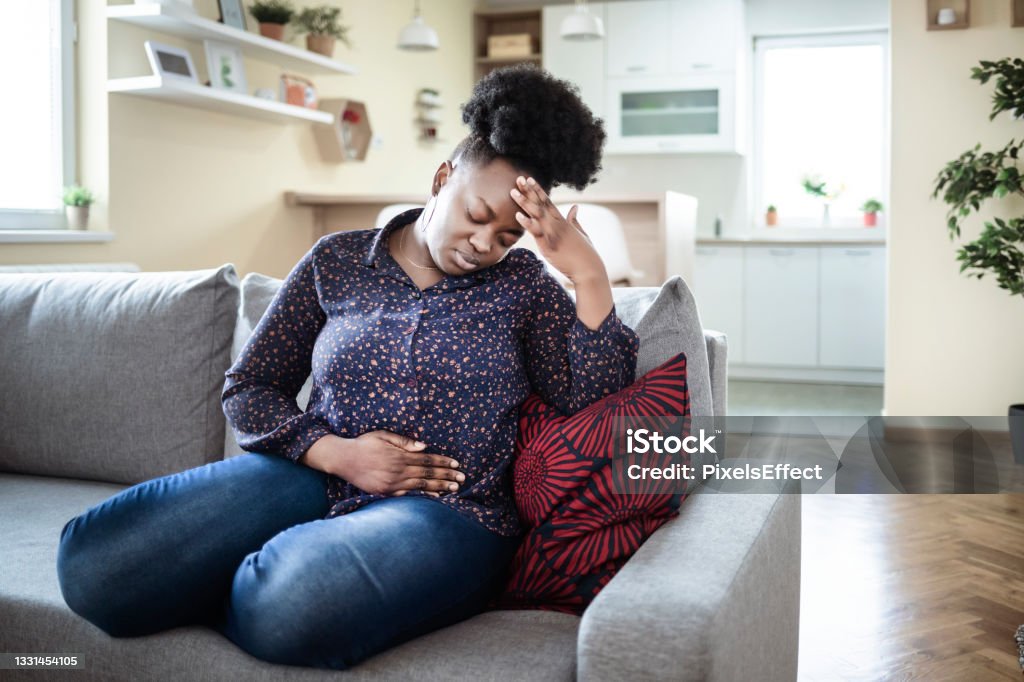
<point>448,365</point>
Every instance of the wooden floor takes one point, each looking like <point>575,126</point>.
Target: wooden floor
<point>911,587</point>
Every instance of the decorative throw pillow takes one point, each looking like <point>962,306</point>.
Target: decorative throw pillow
<point>581,531</point>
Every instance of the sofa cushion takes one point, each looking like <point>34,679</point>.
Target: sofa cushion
<point>114,376</point>
<point>583,523</point>
<point>498,645</point>
<point>666,320</point>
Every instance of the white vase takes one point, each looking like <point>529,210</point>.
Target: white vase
<point>825,218</point>
<point>77,217</point>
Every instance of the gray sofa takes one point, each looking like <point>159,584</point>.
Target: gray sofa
<point>112,378</point>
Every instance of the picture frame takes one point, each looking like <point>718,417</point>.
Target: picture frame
<point>224,67</point>
<point>232,13</point>
<point>172,62</point>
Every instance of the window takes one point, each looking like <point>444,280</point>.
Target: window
<point>37,118</point>
<point>821,105</point>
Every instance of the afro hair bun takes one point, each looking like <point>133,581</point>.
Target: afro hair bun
<point>537,121</point>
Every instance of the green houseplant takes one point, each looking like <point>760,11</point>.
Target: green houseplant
<point>272,16</point>
<point>322,25</point>
<point>975,177</point>
<point>77,201</point>
<point>771,216</point>
<point>871,208</point>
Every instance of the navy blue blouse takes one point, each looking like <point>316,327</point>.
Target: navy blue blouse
<point>448,365</point>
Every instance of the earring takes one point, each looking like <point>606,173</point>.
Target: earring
<point>433,207</point>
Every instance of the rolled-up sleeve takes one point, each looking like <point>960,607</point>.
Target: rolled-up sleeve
<point>569,364</point>
<point>261,386</point>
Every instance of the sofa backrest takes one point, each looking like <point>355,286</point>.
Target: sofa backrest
<point>117,376</point>
<point>114,376</point>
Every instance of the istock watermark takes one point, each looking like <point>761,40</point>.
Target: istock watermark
<point>658,454</point>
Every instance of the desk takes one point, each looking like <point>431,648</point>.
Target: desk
<point>661,228</point>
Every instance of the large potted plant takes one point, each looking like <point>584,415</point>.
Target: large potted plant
<point>272,16</point>
<point>975,177</point>
<point>77,201</point>
<point>322,26</point>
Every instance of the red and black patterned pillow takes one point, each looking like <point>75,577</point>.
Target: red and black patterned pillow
<point>581,531</point>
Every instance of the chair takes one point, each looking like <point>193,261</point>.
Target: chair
<point>605,231</point>
<point>391,210</point>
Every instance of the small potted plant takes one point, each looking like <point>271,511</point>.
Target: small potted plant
<point>824,190</point>
<point>272,16</point>
<point>771,217</point>
<point>871,208</point>
<point>323,27</point>
<point>76,206</point>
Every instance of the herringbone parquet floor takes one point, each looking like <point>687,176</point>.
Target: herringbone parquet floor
<point>911,587</point>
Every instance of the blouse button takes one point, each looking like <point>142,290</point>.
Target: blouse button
<point>411,383</point>
<point>416,294</point>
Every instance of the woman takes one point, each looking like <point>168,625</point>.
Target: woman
<point>384,511</point>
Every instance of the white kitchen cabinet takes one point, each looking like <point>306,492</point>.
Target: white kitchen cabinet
<point>637,38</point>
<point>695,113</point>
<point>718,288</point>
<point>578,61</point>
<point>852,307</point>
<point>705,36</point>
<point>780,312</point>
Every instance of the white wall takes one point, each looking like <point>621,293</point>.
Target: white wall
<point>954,344</point>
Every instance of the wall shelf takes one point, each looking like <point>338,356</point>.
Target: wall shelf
<point>961,7</point>
<point>203,97</point>
<point>171,20</point>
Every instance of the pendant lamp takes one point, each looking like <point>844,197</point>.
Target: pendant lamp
<point>581,24</point>
<point>417,36</point>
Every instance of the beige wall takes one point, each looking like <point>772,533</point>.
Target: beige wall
<point>185,188</point>
<point>953,344</point>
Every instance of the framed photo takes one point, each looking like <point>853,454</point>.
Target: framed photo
<point>224,66</point>
<point>171,62</point>
<point>232,13</point>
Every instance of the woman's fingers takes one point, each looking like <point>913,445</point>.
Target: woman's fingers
<point>427,484</point>
<point>428,459</point>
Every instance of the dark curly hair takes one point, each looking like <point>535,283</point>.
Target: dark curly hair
<point>536,122</point>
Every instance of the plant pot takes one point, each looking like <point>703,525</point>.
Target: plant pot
<point>870,219</point>
<point>77,217</point>
<point>321,44</point>
<point>1016,419</point>
<point>770,218</point>
<point>275,31</point>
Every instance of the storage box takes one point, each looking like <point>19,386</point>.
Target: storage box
<point>509,45</point>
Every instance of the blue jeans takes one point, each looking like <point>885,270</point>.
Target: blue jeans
<point>242,545</point>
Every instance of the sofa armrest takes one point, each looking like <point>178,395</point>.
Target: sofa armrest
<point>714,594</point>
<point>718,355</point>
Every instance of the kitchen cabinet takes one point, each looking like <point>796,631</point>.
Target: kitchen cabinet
<point>705,36</point>
<point>580,62</point>
<point>780,311</point>
<point>667,78</point>
<point>695,113</point>
<point>796,311</point>
<point>853,307</point>
<point>637,35</point>
<point>718,289</point>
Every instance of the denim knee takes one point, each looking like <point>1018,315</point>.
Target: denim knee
<point>280,612</point>
<point>85,586</point>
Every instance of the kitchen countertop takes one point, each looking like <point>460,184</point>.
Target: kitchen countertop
<point>790,241</point>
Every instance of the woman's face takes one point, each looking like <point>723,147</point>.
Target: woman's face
<point>473,224</point>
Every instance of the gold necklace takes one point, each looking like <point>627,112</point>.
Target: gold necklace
<point>401,249</point>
